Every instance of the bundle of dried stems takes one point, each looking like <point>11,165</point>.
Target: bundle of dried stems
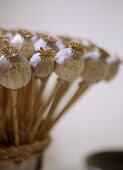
<point>37,71</point>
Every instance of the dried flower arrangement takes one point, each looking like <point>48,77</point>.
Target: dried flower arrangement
<point>28,64</point>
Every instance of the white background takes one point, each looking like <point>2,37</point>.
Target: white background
<point>96,121</point>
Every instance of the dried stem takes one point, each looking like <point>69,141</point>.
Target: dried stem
<point>63,89</point>
<point>3,102</point>
<point>1,99</point>
<point>15,117</point>
<point>43,108</point>
<point>38,100</point>
<point>82,88</point>
<point>20,102</point>
<point>30,113</point>
<point>57,98</point>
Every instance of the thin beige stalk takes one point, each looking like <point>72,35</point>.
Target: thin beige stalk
<point>0,125</point>
<point>7,115</point>
<point>31,115</point>
<point>1,99</point>
<point>63,89</point>
<point>43,108</point>
<point>20,102</point>
<point>2,115</point>
<point>28,96</point>
<point>15,117</point>
<point>38,100</point>
<point>58,98</point>
<point>82,88</point>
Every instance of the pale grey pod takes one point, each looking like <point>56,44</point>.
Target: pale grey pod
<point>69,62</point>
<point>112,66</point>
<point>15,71</point>
<point>10,34</point>
<point>43,62</point>
<point>50,42</point>
<point>23,41</point>
<point>27,48</point>
<point>94,68</point>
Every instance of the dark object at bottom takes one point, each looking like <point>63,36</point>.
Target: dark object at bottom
<point>111,160</point>
<point>35,163</point>
<point>39,163</point>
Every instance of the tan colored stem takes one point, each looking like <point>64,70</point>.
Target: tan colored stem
<point>82,88</point>
<point>26,97</point>
<point>43,108</point>
<point>31,114</point>
<point>15,117</point>
<point>58,98</point>
<point>29,96</point>
<point>38,101</point>
<point>20,102</point>
<point>3,102</point>
<point>55,103</point>
<point>1,99</point>
<point>0,126</point>
<point>7,115</point>
<point>63,89</point>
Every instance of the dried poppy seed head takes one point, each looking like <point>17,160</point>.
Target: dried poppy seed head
<point>47,55</point>
<point>65,38</point>
<point>4,38</point>
<point>15,71</point>
<point>3,31</point>
<point>4,41</point>
<point>77,48</point>
<point>70,62</point>
<point>25,33</point>
<point>48,38</point>
<point>112,66</point>
<point>10,51</point>
<point>50,42</point>
<point>27,46</point>
<point>94,70</point>
<point>43,62</point>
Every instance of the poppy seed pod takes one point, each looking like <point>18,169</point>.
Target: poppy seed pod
<point>47,41</point>
<point>23,41</point>
<point>27,48</point>
<point>43,62</point>
<point>112,65</point>
<point>37,36</point>
<point>94,68</point>
<point>3,31</point>
<point>17,40</point>
<point>10,34</point>
<point>69,61</point>
<point>15,71</point>
<point>3,42</point>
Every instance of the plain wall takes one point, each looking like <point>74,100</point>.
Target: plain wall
<point>96,121</point>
